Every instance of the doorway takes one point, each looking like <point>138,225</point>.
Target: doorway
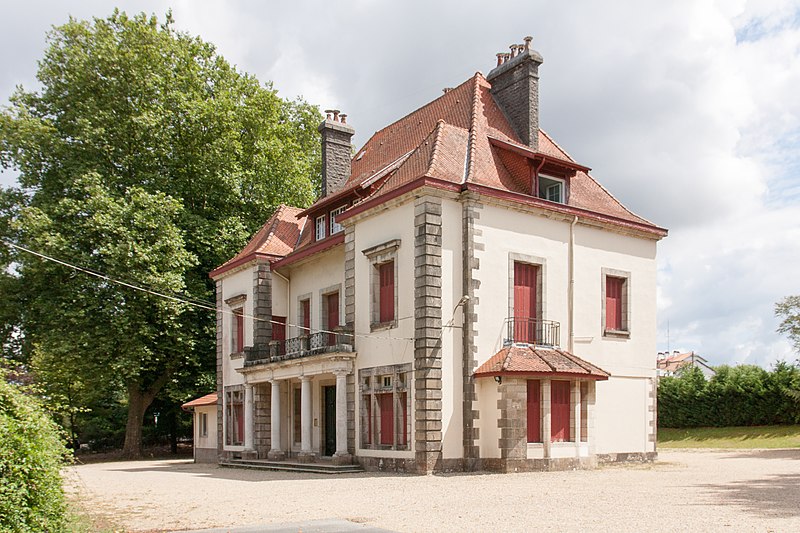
<point>329,417</point>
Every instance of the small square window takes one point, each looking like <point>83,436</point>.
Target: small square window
<point>387,381</point>
<point>551,189</point>
<point>320,228</point>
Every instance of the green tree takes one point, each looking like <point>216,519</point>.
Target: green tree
<point>148,157</point>
<point>789,309</point>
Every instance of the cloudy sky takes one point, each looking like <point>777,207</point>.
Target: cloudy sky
<point>687,111</point>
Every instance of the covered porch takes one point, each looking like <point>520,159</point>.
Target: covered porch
<point>299,409</point>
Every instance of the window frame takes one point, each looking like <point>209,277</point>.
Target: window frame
<point>237,330</point>
<point>320,227</point>
<point>335,227</point>
<point>234,416</point>
<point>624,331</point>
<point>373,393</point>
<point>544,195</point>
<point>378,256</point>
<point>202,423</point>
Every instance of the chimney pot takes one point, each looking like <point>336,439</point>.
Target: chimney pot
<point>513,49</point>
<point>336,115</point>
<point>344,118</point>
<point>528,40</point>
<point>499,59</point>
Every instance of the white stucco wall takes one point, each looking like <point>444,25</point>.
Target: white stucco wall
<point>323,272</point>
<point>238,283</point>
<point>210,440</point>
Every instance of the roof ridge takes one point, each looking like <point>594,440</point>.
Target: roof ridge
<point>473,123</point>
<point>436,145</point>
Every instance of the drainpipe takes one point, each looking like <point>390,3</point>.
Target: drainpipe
<point>571,289</point>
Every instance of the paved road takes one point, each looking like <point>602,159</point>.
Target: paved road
<point>684,491</point>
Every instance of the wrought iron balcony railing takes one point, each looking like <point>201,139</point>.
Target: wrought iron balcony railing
<point>303,346</point>
<point>532,331</point>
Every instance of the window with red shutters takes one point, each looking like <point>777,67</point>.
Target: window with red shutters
<point>534,411</point>
<point>234,417</point>
<point>614,288</point>
<point>386,296</point>
<point>559,410</point>
<point>384,407</point>
<point>525,302</point>
<point>278,328</point>
<point>332,303</point>
<point>305,317</point>
<point>385,402</point>
<point>238,331</point>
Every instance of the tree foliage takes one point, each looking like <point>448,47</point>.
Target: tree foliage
<point>743,395</point>
<point>147,157</point>
<point>789,309</point>
<point>31,455</point>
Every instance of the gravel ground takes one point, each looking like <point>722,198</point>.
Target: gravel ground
<point>751,490</point>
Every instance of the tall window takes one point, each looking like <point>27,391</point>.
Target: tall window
<point>278,328</point>
<point>534,411</point>
<point>616,303</point>
<point>385,418</point>
<point>305,317</point>
<point>526,328</point>
<point>234,417</point>
<point>335,226</point>
<point>237,331</point>
<point>560,410</point>
<point>319,228</point>
<point>202,423</point>
<point>386,296</point>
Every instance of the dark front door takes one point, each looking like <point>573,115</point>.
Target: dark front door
<point>330,420</point>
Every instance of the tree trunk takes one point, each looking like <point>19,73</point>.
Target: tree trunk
<point>137,405</point>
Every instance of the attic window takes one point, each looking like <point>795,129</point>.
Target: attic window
<point>335,226</point>
<point>552,189</point>
<point>319,229</point>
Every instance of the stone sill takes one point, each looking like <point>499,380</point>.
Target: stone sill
<point>381,326</point>
<point>615,333</point>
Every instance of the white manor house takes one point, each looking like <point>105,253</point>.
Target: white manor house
<point>462,296</point>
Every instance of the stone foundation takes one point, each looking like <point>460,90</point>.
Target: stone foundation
<point>630,457</point>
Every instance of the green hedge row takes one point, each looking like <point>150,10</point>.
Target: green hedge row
<point>31,455</point>
<point>743,395</point>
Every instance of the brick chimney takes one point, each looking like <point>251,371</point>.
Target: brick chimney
<point>515,87</point>
<point>336,150</point>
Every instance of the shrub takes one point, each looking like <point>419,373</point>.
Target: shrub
<point>31,455</point>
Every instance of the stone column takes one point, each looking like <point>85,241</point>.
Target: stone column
<point>306,454</point>
<point>342,456</point>
<point>547,431</point>
<point>576,416</point>
<point>249,419</point>
<point>275,452</point>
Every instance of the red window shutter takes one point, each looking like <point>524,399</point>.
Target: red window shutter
<point>534,411</point>
<point>333,316</point>
<point>306,310</point>
<point>386,274</point>
<point>614,303</point>
<point>559,410</point>
<point>278,328</point>
<point>387,418</point>
<point>238,315</point>
<point>524,302</point>
<point>239,416</point>
<point>369,420</point>
<point>404,409</point>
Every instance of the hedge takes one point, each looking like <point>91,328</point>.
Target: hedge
<point>31,455</point>
<point>743,395</point>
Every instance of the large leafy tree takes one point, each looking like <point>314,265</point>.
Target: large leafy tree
<point>789,309</point>
<point>147,157</point>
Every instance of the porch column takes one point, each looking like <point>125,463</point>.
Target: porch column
<point>576,416</point>
<point>249,426</point>
<point>341,456</point>
<point>275,452</point>
<point>547,432</point>
<point>306,454</point>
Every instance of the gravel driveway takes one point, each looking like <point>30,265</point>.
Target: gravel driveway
<point>752,490</point>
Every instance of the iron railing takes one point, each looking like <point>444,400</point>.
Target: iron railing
<point>532,331</point>
<point>303,346</point>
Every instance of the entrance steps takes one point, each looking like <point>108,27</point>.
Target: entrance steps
<point>319,467</point>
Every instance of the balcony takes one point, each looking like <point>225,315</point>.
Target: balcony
<point>298,347</point>
<point>532,331</point>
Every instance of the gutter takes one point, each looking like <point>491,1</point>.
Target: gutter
<point>571,289</point>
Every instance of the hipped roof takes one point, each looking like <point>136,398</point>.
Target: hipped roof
<point>537,361</point>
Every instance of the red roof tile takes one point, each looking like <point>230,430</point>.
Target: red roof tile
<point>208,399</point>
<point>277,238</point>
<point>527,360</point>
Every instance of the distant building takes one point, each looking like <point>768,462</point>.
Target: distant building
<point>668,364</point>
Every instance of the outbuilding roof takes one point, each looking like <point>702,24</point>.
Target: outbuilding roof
<point>208,399</point>
<point>523,360</point>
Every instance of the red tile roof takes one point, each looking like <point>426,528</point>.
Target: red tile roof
<point>437,137</point>
<point>528,360</point>
<point>208,399</point>
<point>277,238</point>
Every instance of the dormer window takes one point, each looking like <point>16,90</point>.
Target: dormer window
<point>552,189</point>
<point>320,228</point>
<point>335,226</point>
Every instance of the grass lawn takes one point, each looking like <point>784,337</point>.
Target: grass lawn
<point>732,437</point>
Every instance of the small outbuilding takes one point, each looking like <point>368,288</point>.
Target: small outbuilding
<point>204,411</point>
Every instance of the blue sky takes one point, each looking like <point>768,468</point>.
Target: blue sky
<point>686,111</point>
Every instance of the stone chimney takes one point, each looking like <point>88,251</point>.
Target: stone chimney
<point>336,150</point>
<point>515,87</point>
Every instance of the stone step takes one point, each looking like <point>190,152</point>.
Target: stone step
<point>287,466</point>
